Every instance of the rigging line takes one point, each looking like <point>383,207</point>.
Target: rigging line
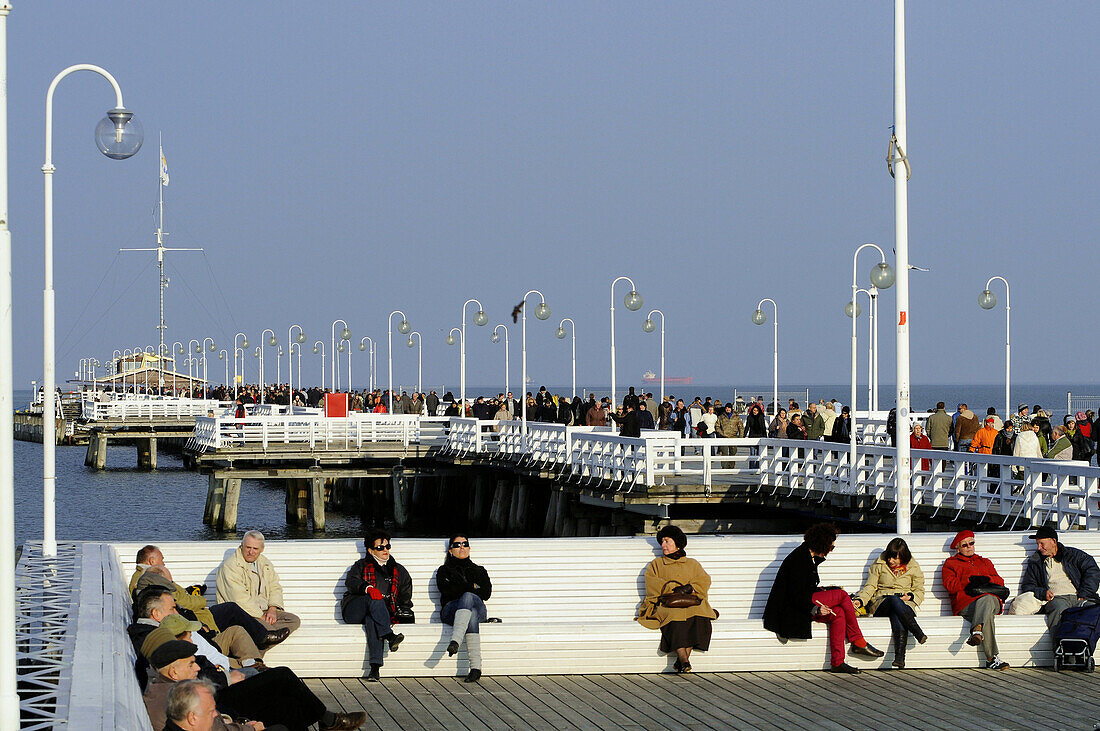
<point>110,269</point>
<point>95,322</point>
<point>217,286</point>
<point>198,299</point>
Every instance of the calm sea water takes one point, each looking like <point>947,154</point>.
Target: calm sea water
<point>124,504</point>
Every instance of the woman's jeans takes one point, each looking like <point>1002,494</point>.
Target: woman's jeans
<point>374,615</point>
<point>894,608</point>
<point>464,615</point>
<point>842,623</point>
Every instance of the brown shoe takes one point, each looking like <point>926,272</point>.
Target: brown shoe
<point>347,721</point>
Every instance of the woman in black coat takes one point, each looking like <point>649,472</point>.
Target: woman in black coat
<point>797,599</point>
<point>755,424</point>
<point>464,587</point>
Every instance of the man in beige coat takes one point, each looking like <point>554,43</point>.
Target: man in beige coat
<point>248,578</point>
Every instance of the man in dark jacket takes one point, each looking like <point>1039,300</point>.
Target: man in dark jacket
<point>1056,577</point>
<point>628,423</point>
<point>378,595</point>
<point>813,421</point>
<point>939,428</point>
<point>1002,445</point>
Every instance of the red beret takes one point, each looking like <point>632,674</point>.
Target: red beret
<point>960,537</point>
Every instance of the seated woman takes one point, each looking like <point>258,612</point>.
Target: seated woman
<point>682,628</point>
<point>378,595</point>
<point>464,587</point>
<point>797,599</point>
<point>894,589</point>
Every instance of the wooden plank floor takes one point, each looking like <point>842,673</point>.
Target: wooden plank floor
<point>914,699</point>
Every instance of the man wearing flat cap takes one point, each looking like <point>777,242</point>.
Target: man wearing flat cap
<point>970,579</point>
<point>1056,577</point>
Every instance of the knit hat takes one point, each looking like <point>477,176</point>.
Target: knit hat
<point>989,419</point>
<point>169,652</point>
<point>960,537</point>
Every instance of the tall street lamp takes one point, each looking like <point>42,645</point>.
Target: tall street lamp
<point>118,136</point>
<point>560,335</point>
<point>480,318</point>
<point>345,334</point>
<point>224,356</point>
<point>241,348</point>
<point>272,341</point>
<point>404,328</point>
<point>632,301</point>
<point>290,355</point>
<point>370,360</point>
<point>213,348</point>
<point>495,338</point>
<point>451,340</point>
<point>542,312</point>
<point>177,348</point>
<point>858,310</point>
<point>419,358</point>
<point>759,317</point>
<point>987,301</point>
<point>319,347</point>
<point>297,348</point>
<point>882,276</point>
<point>649,326</point>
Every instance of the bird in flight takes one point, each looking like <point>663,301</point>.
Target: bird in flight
<point>516,310</point>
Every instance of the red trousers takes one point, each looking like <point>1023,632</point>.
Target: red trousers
<point>842,623</point>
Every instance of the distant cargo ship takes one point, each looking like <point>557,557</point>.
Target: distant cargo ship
<point>651,377</point>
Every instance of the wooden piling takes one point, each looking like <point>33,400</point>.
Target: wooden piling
<point>482,488</point>
<point>232,499</point>
<point>291,487</point>
<point>498,514</point>
<point>301,503</point>
<point>401,497</point>
<point>317,502</point>
<point>517,516</point>
<point>97,451</point>
<point>215,491</point>
<point>147,453</point>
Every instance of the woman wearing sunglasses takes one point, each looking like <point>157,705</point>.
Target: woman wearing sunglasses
<point>464,587</point>
<point>378,595</point>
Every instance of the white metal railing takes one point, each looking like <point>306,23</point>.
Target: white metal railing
<point>316,432</point>
<point>149,408</point>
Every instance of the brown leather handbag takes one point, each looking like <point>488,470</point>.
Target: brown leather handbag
<point>681,596</point>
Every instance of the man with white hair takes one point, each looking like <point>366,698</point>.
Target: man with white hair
<point>248,578</point>
<point>191,706</point>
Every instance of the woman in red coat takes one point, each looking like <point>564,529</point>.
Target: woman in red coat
<point>919,440</point>
<point>964,576</point>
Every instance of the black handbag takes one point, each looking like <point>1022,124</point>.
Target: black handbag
<point>977,588</point>
<point>681,596</point>
<point>404,616</point>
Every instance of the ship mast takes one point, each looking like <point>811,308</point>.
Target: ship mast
<point>160,235</point>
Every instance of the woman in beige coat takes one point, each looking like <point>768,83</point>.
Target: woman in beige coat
<point>895,589</point>
<point>682,628</point>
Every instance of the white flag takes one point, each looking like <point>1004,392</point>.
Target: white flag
<point>163,168</point>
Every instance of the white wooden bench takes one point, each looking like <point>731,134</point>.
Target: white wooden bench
<point>567,604</point>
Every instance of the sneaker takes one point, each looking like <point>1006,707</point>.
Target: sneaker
<point>996,663</point>
<point>845,668</point>
<point>975,638</point>
<point>867,650</point>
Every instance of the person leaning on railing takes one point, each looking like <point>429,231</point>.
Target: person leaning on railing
<point>675,600</point>
<point>895,589</point>
<point>797,600</point>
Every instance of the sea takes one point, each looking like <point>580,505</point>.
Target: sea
<point>122,503</point>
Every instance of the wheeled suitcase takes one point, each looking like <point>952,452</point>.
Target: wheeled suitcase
<point>1075,638</point>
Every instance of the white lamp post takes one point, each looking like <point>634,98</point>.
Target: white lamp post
<point>212,348</point>
<point>632,301</point>
<point>495,338</point>
<point>759,317</point>
<point>451,340</point>
<point>898,147</point>
<point>177,349</point>
<point>480,318</point>
<point>882,276</point>
<point>278,367</point>
<point>848,312</point>
<point>9,698</point>
<point>560,334</point>
<point>370,360</point>
<point>987,301</point>
<point>290,355</point>
<point>118,136</point>
<point>649,326</point>
<point>224,357</point>
<point>419,358</point>
<point>319,347</point>
<point>345,334</point>
<point>236,349</point>
<point>296,348</point>
<point>542,312</point>
<point>403,327</point>
<point>272,341</point>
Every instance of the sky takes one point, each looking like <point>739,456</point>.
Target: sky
<point>345,159</point>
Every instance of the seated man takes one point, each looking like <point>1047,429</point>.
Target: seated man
<point>378,595</point>
<point>191,707</point>
<point>151,571</point>
<point>1056,577</point>
<point>277,695</point>
<point>248,579</point>
<point>962,575</point>
<point>156,604</point>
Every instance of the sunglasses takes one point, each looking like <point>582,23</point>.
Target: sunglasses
<point>967,545</point>
<point>381,547</point>
<point>460,544</point>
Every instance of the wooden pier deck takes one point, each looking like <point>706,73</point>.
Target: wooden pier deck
<point>916,699</point>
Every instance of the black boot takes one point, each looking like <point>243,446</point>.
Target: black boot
<point>901,639</point>
<point>909,621</point>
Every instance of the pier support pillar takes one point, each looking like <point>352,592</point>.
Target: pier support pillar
<point>517,516</point>
<point>96,456</point>
<point>215,501</point>
<point>498,514</point>
<point>401,497</point>
<point>317,503</point>
<point>301,502</point>
<point>477,503</point>
<point>147,454</point>
<point>291,500</point>
<point>232,499</point>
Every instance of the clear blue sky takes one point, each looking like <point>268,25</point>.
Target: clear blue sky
<point>342,159</point>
